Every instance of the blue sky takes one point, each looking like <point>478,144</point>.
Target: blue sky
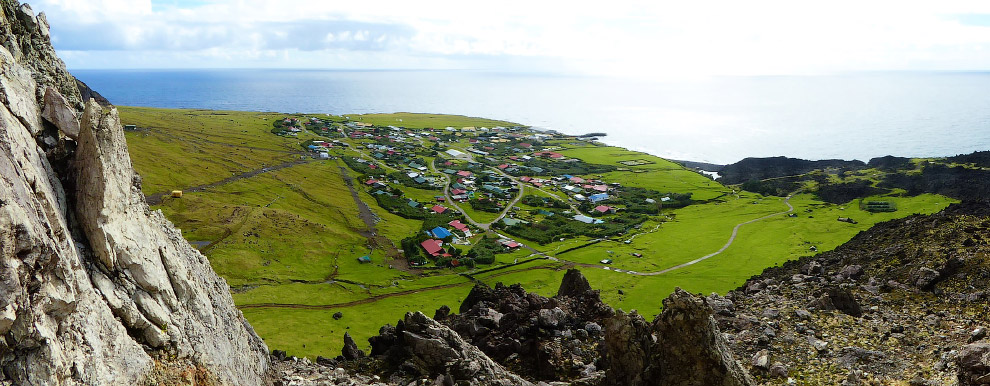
<point>622,38</point>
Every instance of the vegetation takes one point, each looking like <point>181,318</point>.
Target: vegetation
<point>292,235</point>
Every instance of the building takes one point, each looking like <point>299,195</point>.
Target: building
<point>604,209</point>
<point>364,259</point>
<point>433,247</point>
<point>439,209</point>
<point>440,233</point>
<point>587,220</point>
<point>457,224</point>
<point>598,197</point>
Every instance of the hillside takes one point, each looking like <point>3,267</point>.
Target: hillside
<point>880,309</point>
<point>282,225</point>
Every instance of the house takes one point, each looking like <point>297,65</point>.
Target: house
<point>580,197</point>
<point>545,212</point>
<point>512,221</point>
<point>587,220</point>
<point>457,224</point>
<point>651,201</point>
<point>449,171</point>
<point>598,197</point>
<point>600,188</point>
<point>508,243</point>
<point>458,191</point>
<point>455,153</point>
<point>364,259</point>
<point>604,209</point>
<point>371,182</point>
<point>464,173</point>
<point>433,247</point>
<point>413,204</point>
<point>438,209</point>
<point>419,180</point>
<point>577,180</point>
<point>440,232</point>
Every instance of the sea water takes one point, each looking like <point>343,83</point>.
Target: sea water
<point>718,120</point>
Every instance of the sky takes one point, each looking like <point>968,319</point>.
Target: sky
<point>654,38</point>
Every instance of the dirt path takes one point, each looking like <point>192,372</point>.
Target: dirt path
<point>375,240</point>
<point>156,198</point>
<point>732,238</point>
<point>371,299</point>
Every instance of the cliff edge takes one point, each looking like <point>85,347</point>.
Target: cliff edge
<point>95,288</point>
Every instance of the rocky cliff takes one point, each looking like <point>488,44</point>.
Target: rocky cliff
<point>95,288</point>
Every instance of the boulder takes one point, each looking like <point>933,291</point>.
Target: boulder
<point>59,112</point>
<point>689,349</point>
<point>974,365</point>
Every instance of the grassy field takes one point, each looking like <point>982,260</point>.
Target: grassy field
<point>420,121</point>
<point>291,237</point>
<point>657,174</point>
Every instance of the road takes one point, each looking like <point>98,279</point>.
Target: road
<point>732,238</point>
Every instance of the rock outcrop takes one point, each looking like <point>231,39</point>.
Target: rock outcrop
<point>421,348</point>
<point>682,347</point>
<point>548,339</point>
<point>95,288</point>
<point>903,302</point>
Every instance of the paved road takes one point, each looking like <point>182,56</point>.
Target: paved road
<point>450,201</point>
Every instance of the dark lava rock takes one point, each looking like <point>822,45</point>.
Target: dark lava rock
<point>337,315</point>
<point>689,348</point>
<point>839,299</point>
<point>575,284</point>
<point>974,364</point>
<point>350,350</point>
<point>442,313</point>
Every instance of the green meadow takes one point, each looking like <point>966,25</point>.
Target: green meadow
<point>287,239</point>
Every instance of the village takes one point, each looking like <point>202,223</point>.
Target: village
<point>480,191</point>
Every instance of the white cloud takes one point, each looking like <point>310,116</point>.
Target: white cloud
<point>657,38</point>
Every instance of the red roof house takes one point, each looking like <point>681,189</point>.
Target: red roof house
<point>464,173</point>
<point>438,209</point>
<point>457,224</point>
<point>603,209</point>
<point>433,247</point>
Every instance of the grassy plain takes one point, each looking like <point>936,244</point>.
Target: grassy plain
<point>291,236</point>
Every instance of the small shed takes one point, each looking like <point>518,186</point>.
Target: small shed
<point>364,259</point>
<point>176,194</point>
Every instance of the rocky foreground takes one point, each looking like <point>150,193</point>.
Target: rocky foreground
<point>904,303</point>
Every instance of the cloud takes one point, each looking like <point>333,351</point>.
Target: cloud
<point>654,38</point>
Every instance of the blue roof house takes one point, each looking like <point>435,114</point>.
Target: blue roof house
<point>440,232</point>
<point>598,197</point>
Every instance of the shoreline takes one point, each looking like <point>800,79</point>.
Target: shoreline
<point>678,160</point>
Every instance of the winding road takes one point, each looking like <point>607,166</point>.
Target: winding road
<point>732,238</point>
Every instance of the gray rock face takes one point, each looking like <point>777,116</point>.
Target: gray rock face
<point>682,347</point>
<point>58,112</point>
<point>95,288</point>
<point>423,347</point>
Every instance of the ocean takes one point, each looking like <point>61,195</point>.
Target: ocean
<point>717,120</point>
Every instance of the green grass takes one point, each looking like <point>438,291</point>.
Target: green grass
<point>207,146</point>
<point>292,236</point>
<point>660,175</point>
<point>420,121</point>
